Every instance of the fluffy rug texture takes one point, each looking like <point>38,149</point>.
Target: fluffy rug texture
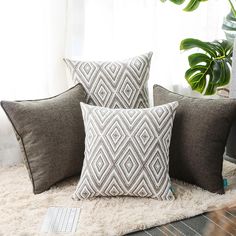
<point>22,212</point>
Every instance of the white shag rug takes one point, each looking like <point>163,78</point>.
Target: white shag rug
<point>22,212</point>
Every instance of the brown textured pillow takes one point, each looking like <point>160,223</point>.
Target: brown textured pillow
<point>200,132</point>
<point>51,134</point>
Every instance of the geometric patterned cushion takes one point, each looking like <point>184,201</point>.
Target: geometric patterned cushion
<point>126,152</point>
<point>118,84</point>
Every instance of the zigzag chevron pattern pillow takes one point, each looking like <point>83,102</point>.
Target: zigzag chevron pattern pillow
<point>118,84</point>
<point>126,152</point>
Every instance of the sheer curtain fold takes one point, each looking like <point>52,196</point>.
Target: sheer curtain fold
<point>116,29</point>
<point>36,35</point>
<point>32,45</point>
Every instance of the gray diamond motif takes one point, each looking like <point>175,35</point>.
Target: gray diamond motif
<point>114,188</point>
<point>103,116</point>
<point>158,166</point>
<point>115,137</point>
<point>138,64</point>
<point>131,154</point>
<point>102,92</point>
<point>128,165</point>
<point>142,192</point>
<point>113,68</point>
<point>113,73</point>
<point>128,90</point>
<point>166,138</point>
<point>91,136</point>
<point>160,112</point>
<point>131,113</point>
<point>143,189</point>
<point>155,166</point>
<point>85,191</point>
<point>114,191</point>
<point>101,164</point>
<point>87,68</point>
<point>132,117</point>
<point>87,71</point>
<point>145,138</point>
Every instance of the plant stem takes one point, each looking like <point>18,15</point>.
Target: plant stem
<point>232,7</point>
<point>219,58</point>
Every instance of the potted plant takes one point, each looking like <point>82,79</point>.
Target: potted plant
<point>210,67</point>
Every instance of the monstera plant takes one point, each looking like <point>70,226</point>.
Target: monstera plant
<point>209,68</point>
<point>210,65</point>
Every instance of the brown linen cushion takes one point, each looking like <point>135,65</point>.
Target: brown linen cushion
<point>200,132</point>
<point>51,134</point>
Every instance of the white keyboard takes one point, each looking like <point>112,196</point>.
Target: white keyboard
<point>60,220</point>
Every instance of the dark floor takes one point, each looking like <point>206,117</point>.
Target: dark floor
<point>189,227</point>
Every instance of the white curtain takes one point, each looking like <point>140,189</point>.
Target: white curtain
<point>116,29</point>
<point>32,45</point>
<point>36,35</point>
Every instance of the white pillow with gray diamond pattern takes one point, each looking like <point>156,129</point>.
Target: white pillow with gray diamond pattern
<point>118,84</point>
<point>126,152</point>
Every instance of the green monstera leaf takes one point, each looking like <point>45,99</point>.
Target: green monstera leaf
<point>178,2</point>
<point>191,6</point>
<point>194,4</point>
<point>210,67</point>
